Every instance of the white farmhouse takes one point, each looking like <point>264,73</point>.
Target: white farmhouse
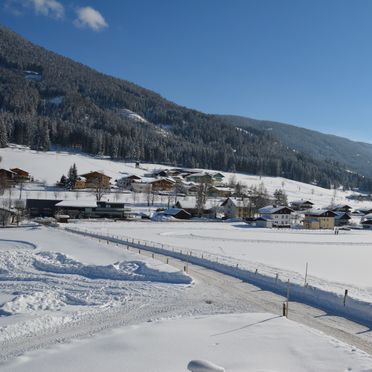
<point>281,216</point>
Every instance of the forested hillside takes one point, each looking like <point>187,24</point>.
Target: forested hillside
<point>49,99</point>
<point>355,155</point>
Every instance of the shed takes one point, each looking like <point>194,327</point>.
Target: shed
<point>177,213</point>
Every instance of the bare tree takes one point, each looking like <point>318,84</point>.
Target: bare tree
<point>21,184</point>
<point>201,197</point>
<point>148,193</point>
<point>100,189</point>
<point>232,181</point>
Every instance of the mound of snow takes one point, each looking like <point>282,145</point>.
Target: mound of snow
<point>59,263</point>
<point>24,303</point>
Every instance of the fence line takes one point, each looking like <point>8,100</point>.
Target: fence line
<point>333,303</point>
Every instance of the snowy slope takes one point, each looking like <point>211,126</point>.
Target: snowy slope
<point>238,343</point>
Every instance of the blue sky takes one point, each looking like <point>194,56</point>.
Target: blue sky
<point>303,62</point>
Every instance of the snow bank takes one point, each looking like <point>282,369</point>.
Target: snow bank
<point>55,262</point>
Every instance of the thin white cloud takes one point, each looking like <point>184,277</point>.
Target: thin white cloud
<point>49,8</point>
<point>90,18</point>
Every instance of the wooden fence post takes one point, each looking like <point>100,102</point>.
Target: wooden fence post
<point>287,304</point>
<point>345,296</point>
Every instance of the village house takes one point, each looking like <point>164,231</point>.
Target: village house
<point>94,179</point>
<point>341,208</point>
<point>236,208</point>
<point>21,175</point>
<point>189,205</point>
<point>199,178</point>
<point>342,218</point>
<point>179,214</point>
<point>220,192</point>
<point>279,216</point>
<point>80,183</point>
<point>301,205</point>
<point>127,181</point>
<point>218,178</point>
<point>162,184</point>
<point>321,219</point>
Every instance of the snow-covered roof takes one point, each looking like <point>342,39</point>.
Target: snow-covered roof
<point>299,202</point>
<point>168,179</point>
<point>338,206</point>
<point>173,211</point>
<point>77,203</point>
<point>200,174</point>
<point>318,212</point>
<point>270,209</point>
<point>341,215</point>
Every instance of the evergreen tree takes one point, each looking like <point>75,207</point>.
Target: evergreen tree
<point>63,182</point>
<point>72,176</point>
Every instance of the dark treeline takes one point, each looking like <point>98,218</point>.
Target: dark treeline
<point>48,99</point>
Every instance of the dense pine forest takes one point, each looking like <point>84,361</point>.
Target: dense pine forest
<point>48,99</point>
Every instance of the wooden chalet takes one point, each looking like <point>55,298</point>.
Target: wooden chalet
<point>93,179</point>
<point>162,184</point>
<point>21,175</point>
<point>301,205</point>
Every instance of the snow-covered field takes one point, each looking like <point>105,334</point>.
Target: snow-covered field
<point>335,262</point>
<point>49,278</point>
<point>237,342</point>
